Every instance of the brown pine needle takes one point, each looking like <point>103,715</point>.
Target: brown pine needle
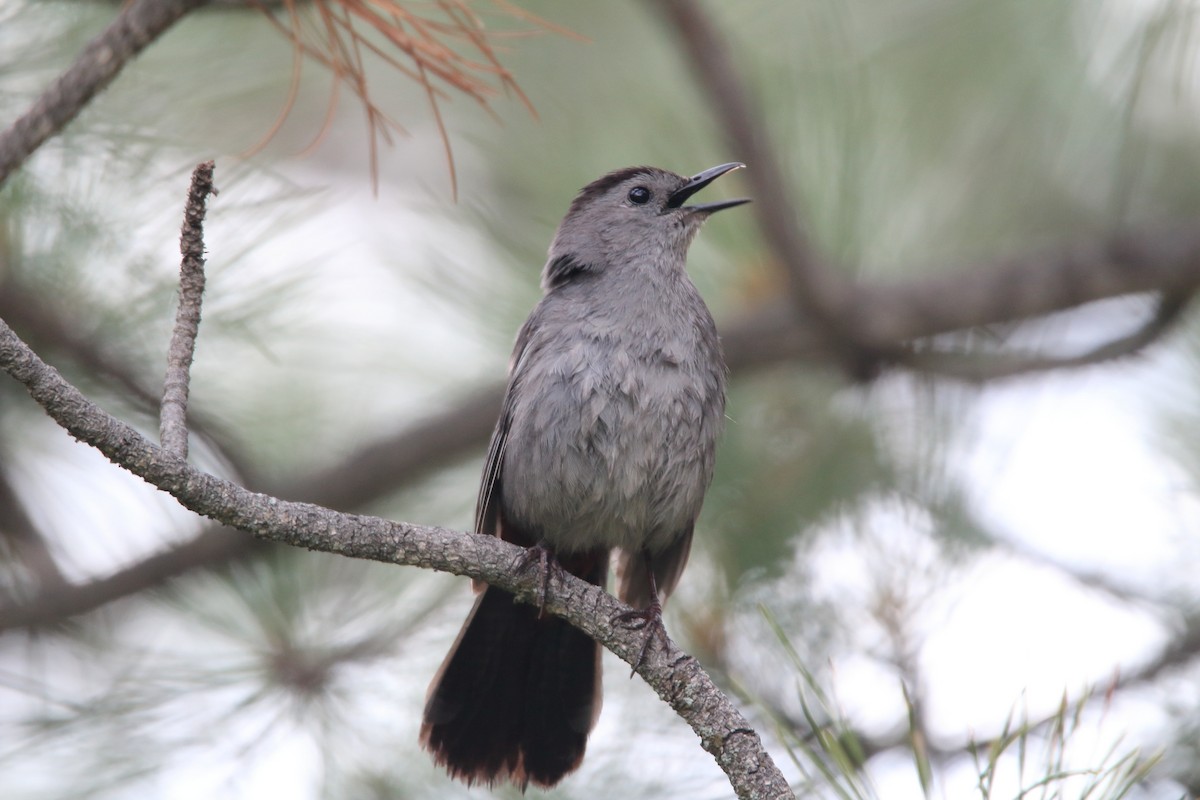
<point>293,87</point>
<point>446,47</point>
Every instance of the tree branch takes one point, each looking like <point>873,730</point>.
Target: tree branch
<point>173,429</point>
<point>51,328</point>
<point>137,25</point>
<point>1153,258</point>
<point>361,478</point>
<point>859,326</point>
<point>675,676</point>
<point>818,293</point>
<point>1159,259</point>
<point>216,546</point>
<point>976,367</point>
<point>1156,258</point>
<point>27,545</point>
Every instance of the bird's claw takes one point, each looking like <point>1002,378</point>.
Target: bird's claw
<point>541,556</point>
<point>644,619</point>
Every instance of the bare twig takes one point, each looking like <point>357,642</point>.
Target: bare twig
<point>173,428</point>
<point>675,676</point>
<point>138,24</point>
<point>52,328</point>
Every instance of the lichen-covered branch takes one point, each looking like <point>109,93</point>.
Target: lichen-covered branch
<point>137,25</point>
<point>173,427</point>
<point>674,675</point>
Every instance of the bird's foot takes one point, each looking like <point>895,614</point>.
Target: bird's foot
<point>542,558</point>
<point>647,619</point>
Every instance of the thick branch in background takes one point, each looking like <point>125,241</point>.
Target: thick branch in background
<point>26,545</point>
<point>1152,259</point>
<point>676,677</point>
<point>363,477</point>
<point>980,367</point>
<point>862,327</point>
<point>136,26</point>
<point>817,292</point>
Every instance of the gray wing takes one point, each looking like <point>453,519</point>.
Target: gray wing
<point>487,506</point>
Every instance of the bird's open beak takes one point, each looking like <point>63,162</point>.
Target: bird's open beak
<point>680,195</point>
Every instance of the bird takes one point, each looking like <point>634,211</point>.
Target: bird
<point>605,447</point>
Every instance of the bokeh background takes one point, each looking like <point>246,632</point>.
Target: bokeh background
<point>912,563</point>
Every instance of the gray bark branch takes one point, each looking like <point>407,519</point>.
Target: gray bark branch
<point>675,676</point>
<point>849,324</point>
<point>1161,259</point>
<point>137,25</point>
<point>1164,260</point>
<point>361,478</point>
<point>173,427</point>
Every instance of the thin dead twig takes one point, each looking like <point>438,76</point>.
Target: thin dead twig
<point>435,48</point>
<point>173,429</point>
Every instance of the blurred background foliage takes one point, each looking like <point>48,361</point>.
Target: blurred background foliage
<point>879,524</point>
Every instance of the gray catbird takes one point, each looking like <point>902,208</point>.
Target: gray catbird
<point>606,439</point>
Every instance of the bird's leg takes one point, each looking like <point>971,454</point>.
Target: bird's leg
<point>543,557</point>
<point>648,619</point>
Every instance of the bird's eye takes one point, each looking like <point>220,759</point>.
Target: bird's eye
<point>639,195</point>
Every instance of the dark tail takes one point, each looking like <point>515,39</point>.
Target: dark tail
<point>517,696</point>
